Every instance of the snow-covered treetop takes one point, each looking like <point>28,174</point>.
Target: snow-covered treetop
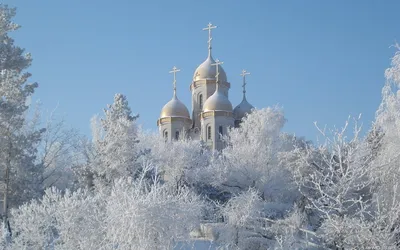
<point>11,56</point>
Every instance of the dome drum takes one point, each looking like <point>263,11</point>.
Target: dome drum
<point>168,120</point>
<point>215,113</point>
<point>197,84</point>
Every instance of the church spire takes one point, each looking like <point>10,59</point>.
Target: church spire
<point>216,64</point>
<point>244,73</point>
<point>209,28</point>
<point>174,71</point>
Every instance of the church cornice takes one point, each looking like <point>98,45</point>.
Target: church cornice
<point>168,120</point>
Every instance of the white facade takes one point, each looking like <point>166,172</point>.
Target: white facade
<point>174,128</point>
<point>214,125</point>
<point>202,88</point>
<point>212,113</point>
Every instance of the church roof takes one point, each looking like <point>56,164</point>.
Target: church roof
<point>217,102</point>
<point>174,108</point>
<point>206,71</point>
<point>242,109</point>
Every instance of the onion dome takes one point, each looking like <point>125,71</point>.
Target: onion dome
<point>174,108</point>
<point>217,101</point>
<point>242,109</point>
<point>206,71</point>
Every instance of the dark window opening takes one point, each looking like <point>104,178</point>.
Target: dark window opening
<point>201,101</point>
<point>221,132</point>
<point>209,132</point>
<point>177,135</point>
<point>166,135</point>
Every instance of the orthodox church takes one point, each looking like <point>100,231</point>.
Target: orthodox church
<point>212,112</point>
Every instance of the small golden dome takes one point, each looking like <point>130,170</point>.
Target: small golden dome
<point>217,102</point>
<point>206,71</point>
<point>174,108</point>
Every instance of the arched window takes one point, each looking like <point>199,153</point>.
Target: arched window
<point>166,135</point>
<point>221,132</point>
<point>209,132</point>
<point>201,101</point>
<point>177,135</point>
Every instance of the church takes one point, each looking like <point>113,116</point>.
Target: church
<point>212,112</point>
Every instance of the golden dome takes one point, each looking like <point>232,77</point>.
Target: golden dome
<point>242,109</point>
<point>217,102</point>
<point>206,71</point>
<point>174,108</point>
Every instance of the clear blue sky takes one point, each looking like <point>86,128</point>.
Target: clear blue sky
<point>320,60</point>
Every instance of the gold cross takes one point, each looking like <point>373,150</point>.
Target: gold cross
<point>244,73</point>
<point>174,70</point>
<point>217,63</point>
<point>209,28</point>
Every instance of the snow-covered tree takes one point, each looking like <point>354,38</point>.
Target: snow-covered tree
<point>132,216</point>
<point>20,175</point>
<point>180,163</point>
<point>153,219</point>
<point>243,214</point>
<point>250,159</point>
<point>334,179</point>
<point>257,185</point>
<point>387,124</point>
<point>58,152</point>
<point>59,221</point>
<point>113,153</point>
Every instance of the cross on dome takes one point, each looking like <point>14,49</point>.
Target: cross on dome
<point>244,73</point>
<point>216,64</point>
<point>174,108</point>
<point>244,107</point>
<point>209,28</point>
<point>174,71</point>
